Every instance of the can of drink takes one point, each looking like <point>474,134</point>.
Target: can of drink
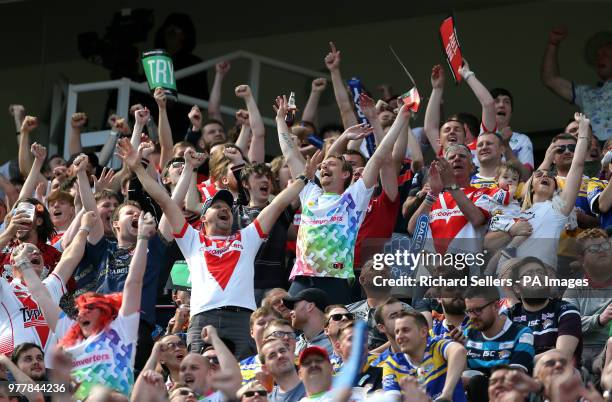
<point>27,208</point>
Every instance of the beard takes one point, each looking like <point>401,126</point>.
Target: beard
<point>534,301</point>
<point>454,307</point>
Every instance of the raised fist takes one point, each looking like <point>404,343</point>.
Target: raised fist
<point>78,120</point>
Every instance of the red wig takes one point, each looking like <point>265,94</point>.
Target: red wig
<point>109,306</point>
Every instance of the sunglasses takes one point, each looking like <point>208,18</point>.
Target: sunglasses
<point>478,310</point>
<point>540,173</point>
<point>596,248</point>
<point>174,345</point>
<point>250,394</point>
<point>186,392</point>
<point>282,334</point>
<point>568,147</point>
<point>177,164</point>
<point>340,316</point>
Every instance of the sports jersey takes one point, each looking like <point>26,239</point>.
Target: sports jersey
<point>221,268</point>
<point>440,327</point>
<point>594,188</point>
<point>557,318</point>
<point>249,367</point>
<point>582,201</point>
<point>513,346</point>
<point>431,371</point>
<point>106,358</point>
<point>21,320</point>
<point>328,230</point>
<point>449,228</point>
<point>376,228</point>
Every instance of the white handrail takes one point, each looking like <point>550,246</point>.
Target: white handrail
<point>125,85</point>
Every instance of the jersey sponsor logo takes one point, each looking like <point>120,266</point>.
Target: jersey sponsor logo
<point>473,344</point>
<point>504,354</point>
<point>506,345</point>
<point>526,338</point>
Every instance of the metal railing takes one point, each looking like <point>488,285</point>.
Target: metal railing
<point>125,85</point>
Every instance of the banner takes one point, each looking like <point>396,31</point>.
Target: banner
<point>159,70</point>
<point>355,87</point>
<point>452,49</point>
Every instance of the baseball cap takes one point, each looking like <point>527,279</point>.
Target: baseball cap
<point>312,295</point>
<point>312,350</point>
<point>223,195</point>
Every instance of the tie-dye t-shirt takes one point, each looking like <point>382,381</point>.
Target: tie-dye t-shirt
<point>328,230</point>
<point>106,358</point>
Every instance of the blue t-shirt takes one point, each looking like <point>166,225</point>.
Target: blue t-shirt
<point>513,346</point>
<point>104,268</point>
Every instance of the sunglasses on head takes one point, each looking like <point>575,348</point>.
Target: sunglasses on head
<point>250,394</point>
<point>340,316</point>
<point>568,147</point>
<point>541,173</point>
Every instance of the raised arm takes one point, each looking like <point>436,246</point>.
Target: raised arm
<point>384,149</point>
<point>163,126</point>
<point>142,117</point>
<point>9,191</point>
<point>549,74</point>
<point>106,153</point>
<point>131,158</point>
<point>267,218</point>
<point>18,113</point>
<point>22,378</point>
<point>34,176</point>
<point>332,62</point>
<point>605,198</point>
<point>25,160</point>
<point>77,122</point>
<point>574,176</point>
<point>312,105</point>
<point>257,150</point>
<point>228,365</point>
<point>432,113</point>
<point>50,309</point>
<point>132,290</point>
<point>290,151</point>
<point>96,231</point>
<point>74,253</point>
<point>214,103</point>
<point>244,138</point>
<point>354,133</point>
<point>482,94</point>
<point>186,182</point>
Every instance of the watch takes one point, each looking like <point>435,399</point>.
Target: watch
<point>453,186</point>
<point>303,178</point>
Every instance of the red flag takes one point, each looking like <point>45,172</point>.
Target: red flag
<point>451,46</point>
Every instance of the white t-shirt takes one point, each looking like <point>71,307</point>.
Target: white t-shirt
<point>221,268</point>
<point>21,320</point>
<point>106,358</point>
<point>547,223</point>
<point>328,230</point>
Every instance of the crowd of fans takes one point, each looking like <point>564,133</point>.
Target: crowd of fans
<point>285,253</point>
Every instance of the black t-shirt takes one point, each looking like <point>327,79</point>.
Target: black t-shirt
<point>557,318</point>
<point>270,267</point>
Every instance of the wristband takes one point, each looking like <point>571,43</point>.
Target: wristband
<point>144,162</point>
<point>142,237</point>
<point>85,229</point>
<point>468,74</point>
<point>303,178</point>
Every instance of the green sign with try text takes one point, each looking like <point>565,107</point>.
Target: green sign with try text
<point>159,70</point>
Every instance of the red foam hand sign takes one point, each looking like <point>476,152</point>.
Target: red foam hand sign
<point>452,49</point>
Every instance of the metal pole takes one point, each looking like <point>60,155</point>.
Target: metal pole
<point>71,106</point>
<point>254,77</point>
